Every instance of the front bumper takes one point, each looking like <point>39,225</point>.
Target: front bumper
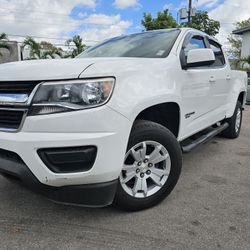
<point>101,127</point>
<point>93,195</point>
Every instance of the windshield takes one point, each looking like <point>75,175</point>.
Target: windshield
<point>155,44</point>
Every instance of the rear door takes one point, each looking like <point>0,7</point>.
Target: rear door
<point>220,82</point>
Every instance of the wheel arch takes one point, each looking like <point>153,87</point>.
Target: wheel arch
<point>167,114</point>
<point>242,97</point>
<point>238,96</point>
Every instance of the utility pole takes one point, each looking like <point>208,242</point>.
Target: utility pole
<point>189,11</point>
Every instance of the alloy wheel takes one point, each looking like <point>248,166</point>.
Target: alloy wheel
<point>146,169</point>
<point>238,120</point>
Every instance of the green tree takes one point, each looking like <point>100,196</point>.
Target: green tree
<point>78,44</point>
<point>164,20</point>
<point>236,41</point>
<point>3,44</point>
<point>243,63</point>
<point>35,47</point>
<point>50,51</point>
<point>3,36</point>
<point>42,50</point>
<point>201,21</point>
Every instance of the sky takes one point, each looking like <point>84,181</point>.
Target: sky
<point>96,20</point>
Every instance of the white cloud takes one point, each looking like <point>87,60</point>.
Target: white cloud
<point>51,19</point>
<point>168,6</point>
<point>205,3</point>
<point>228,13</point>
<point>198,4</point>
<point>89,3</point>
<point>101,19</point>
<point>41,17</point>
<point>82,14</point>
<point>104,27</point>
<point>124,4</point>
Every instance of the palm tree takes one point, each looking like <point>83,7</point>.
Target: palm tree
<point>35,48</point>
<point>42,50</point>
<point>3,44</point>
<point>50,51</point>
<point>78,44</point>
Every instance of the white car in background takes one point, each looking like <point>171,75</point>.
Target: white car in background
<point>110,126</point>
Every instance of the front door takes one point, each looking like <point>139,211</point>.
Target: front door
<point>195,90</point>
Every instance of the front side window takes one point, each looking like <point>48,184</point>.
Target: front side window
<point>218,53</point>
<point>156,44</point>
<point>196,42</point>
<point>191,42</point>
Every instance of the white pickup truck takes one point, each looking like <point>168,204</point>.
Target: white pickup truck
<point>110,126</point>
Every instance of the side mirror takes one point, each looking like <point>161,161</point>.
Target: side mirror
<point>200,57</point>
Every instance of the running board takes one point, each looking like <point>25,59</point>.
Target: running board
<point>187,147</point>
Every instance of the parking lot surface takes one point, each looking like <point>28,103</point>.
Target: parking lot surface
<point>209,209</point>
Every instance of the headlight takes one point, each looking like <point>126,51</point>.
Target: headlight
<point>63,96</point>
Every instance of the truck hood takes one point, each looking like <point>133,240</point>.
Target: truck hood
<point>43,69</point>
<point>64,68</point>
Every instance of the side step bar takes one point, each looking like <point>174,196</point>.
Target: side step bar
<point>186,148</point>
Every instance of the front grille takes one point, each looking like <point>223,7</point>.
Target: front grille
<point>20,87</point>
<point>10,119</point>
<point>10,116</point>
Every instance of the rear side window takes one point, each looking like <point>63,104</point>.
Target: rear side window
<point>218,53</point>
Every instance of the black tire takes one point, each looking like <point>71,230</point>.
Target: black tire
<point>231,131</point>
<point>150,131</point>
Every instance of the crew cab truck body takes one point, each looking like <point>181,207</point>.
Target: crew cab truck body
<point>111,125</point>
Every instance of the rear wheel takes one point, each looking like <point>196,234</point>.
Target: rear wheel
<point>151,167</point>
<point>233,131</point>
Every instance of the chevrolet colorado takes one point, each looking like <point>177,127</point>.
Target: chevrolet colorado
<point>111,125</point>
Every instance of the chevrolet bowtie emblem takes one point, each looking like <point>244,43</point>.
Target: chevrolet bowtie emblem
<point>13,98</point>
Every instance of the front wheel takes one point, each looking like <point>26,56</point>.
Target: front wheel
<point>151,169</point>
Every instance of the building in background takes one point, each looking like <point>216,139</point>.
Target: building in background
<point>245,33</point>
<point>11,55</point>
<point>245,50</point>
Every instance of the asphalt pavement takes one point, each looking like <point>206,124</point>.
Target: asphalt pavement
<point>209,209</point>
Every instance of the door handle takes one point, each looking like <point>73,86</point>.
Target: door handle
<point>228,77</point>
<point>212,79</point>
